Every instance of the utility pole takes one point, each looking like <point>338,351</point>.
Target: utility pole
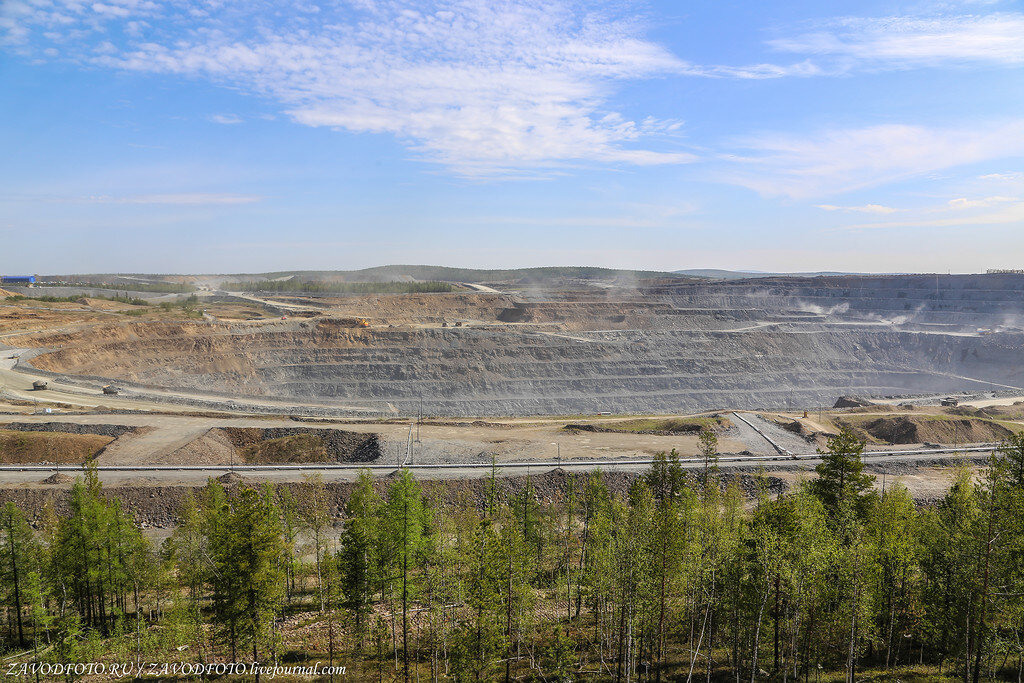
<point>408,447</point>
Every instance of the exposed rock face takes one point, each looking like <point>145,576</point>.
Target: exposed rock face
<point>779,342</point>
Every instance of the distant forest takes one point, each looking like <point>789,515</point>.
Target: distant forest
<point>386,273</point>
<point>340,287</point>
<point>675,579</point>
<point>156,287</point>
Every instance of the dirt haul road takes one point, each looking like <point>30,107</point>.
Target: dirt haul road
<point>16,382</point>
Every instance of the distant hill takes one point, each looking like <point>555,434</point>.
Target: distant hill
<point>716,274</point>
<point>397,273</point>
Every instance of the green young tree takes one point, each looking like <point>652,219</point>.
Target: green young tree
<point>99,556</point>
<point>708,444</point>
<point>892,537</point>
<point>479,636</point>
<point>290,527</point>
<point>357,559</point>
<point>313,512</point>
<point>841,482</point>
<point>19,555</point>
<point>248,578</point>
<point>406,537</point>
<point>665,479</point>
<point>190,554</point>
<point>949,534</point>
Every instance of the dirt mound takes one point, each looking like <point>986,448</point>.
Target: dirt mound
<point>105,305</point>
<point>58,478</point>
<point>35,447</point>
<point>212,448</point>
<point>852,402</point>
<point>795,426</point>
<point>4,293</point>
<point>230,478</point>
<point>905,430</point>
<point>297,448</point>
<point>302,444</point>
<point>1011,412</point>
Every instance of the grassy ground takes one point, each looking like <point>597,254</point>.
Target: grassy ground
<point>672,425</point>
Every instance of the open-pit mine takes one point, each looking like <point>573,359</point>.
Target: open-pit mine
<point>558,370</point>
<point>655,347</point>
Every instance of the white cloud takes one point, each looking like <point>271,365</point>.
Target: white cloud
<point>1003,177</point>
<point>226,119</point>
<point>1007,214</point>
<point>964,203</point>
<point>866,208</point>
<point>965,212</point>
<point>842,160</point>
<point>911,41</point>
<point>483,87</point>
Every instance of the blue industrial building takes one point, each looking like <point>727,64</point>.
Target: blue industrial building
<point>19,280</point>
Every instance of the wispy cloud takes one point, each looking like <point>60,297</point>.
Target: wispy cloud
<point>984,202</point>
<point>903,42</point>
<point>482,87</point>
<point>966,211</point>
<point>225,119</point>
<point>865,208</point>
<point>1011,212</point>
<point>836,161</point>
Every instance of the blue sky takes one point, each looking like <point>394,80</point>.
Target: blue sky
<point>190,136</point>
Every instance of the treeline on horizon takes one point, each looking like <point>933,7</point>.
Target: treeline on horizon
<point>340,287</point>
<point>475,275</point>
<point>156,287</point>
<point>671,580</point>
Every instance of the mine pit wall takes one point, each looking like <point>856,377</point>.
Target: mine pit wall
<point>462,374</point>
<point>795,342</point>
<point>996,299</point>
<point>467,372</point>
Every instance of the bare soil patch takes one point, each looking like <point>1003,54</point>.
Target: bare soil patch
<point>277,445</point>
<point>212,448</point>
<point>36,447</point>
